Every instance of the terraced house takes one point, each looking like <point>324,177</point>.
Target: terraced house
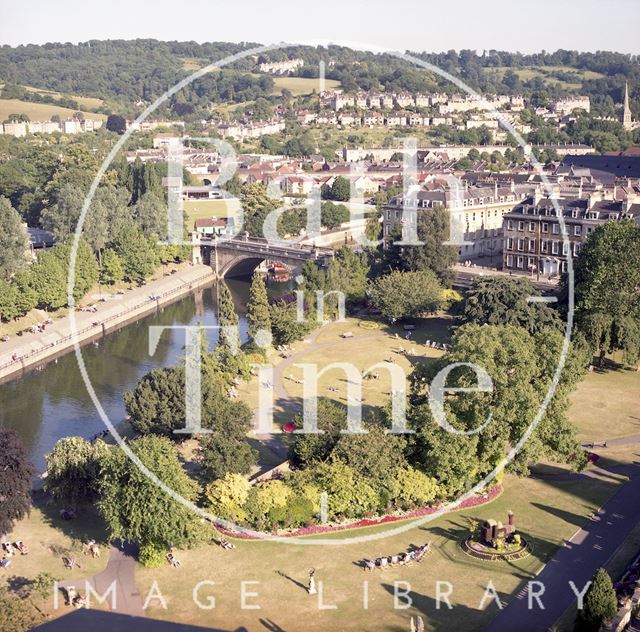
<point>533,240</point>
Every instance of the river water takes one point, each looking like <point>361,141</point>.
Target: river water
<point>45,405</point>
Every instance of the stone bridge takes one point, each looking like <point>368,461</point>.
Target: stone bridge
<point>239,257</point>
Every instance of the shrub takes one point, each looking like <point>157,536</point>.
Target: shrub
<point>152,556</point>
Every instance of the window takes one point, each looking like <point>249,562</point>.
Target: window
<point>544,246</point>
<point>577,230</point>
<point>509,224</point>
<point>532,245</point>
<point>563,266</point>
<point>532,227</point>
<point>576,249</point>
<point>554,247</point>
<point>510,243</point>
<point>520,262</point>
<point>545,227</point>
<point>532,263</point>
<point>509,261</point>
<point>565,248</point>
<point>520,225</point>
<point>520,245</point>
<point>555,229</point>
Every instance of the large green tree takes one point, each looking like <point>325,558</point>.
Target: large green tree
<point>15,480</point>
<point>61,218</point>
<point>434,254</point>
<point>403,294</point>
<point>73,469</point>
<point>138,254</point>
<point>258,314</point>
<point>14,243</point>
<point>135,508</point>
<point>607,289</point>
<point>501,300</point>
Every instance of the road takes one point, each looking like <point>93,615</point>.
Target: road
<point>576,561</point>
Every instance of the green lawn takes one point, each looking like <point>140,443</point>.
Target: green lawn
<point>302,85</point>
<point>206,209</point>
<point>530,72</point>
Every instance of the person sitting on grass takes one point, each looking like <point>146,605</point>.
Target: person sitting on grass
<point>4,562</point>
<point>173,560</point>
<point>22,547</point>
<point>225,544</point>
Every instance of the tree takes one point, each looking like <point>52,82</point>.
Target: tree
<point>18,614</point>
<point>228,319</point>
<point>220,454</point>
<point>14,242</point>
<point>521,368</point>
<point>606,290</point>
<point>135,508</point>
<point>600,603</point>
<point>332,215</point>
<point>258,314</point>
<point>116,123</point>
<point>266,500</point>
<point>139,258</point>
<point>112,270</point>
<point>434,255</point>
<point>73,469</point>
<point>340,190</point>
<point>48,279</point>
<point>150,216</point>
<point>499,300</point>
<point>226,497</point>
<point>15,480</point>
<point>348,272</point>
<point>410,487</point>
<point>404,294</point>
<point>158,403</point>
<point>256,205</point>
<point>285,326</point>
<point>85,266</point>
<point>372,455</point>
<point>61,218</point>
<point>8,300</point>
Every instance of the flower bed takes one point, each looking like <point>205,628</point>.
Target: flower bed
<point>476,501</point>
<point>368,324</point>
<point>479,551</point>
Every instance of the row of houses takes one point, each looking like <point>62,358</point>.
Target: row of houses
<point>442,102</point>
<point>70,126</point>
<point>516,220</point>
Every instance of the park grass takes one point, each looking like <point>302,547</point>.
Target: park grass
<point>49,538</point>
<point>89,103</point>
<point>40,111</point>
<point>281,569</point>
<point>207,209</point>
<point>302,85</point>
<point>605,405</point>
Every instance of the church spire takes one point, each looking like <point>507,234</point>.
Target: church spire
<point>626,116</point>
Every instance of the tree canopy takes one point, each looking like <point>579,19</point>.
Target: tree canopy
<point>15,480</point>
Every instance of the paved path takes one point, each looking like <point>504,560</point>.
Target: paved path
<point>577,561</point>
<point>121,570</point>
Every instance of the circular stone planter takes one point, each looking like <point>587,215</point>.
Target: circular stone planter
<point>368,324</point>
<point>486,553</point>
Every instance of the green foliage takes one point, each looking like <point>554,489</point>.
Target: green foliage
<point>348,272</point>
<point>606,289</point>
<point>17,613</point>
<point>258,314</point>
<point>112,270</point>
<point>226,497</point>
<point>403,294</point>
<point>152,555</point>
<point>48,279</point>
<point>61,218</point>
<point>42,585</point>
<point>256,205</point>
<point>85,268</point>
<point>150,216</point>
<point>14,244</point>
<point>600,603</point>
<point>227,317</point>
<point>434,255</point>
<point>222,453</point>
<point>15,480</point>
<point>285,326</point>
<point>332,215</point>
<point>73,469</point>
<point>8,301</point>
<point>339,191</point>
<point>158,403</point>
<point>500,300</point>
<point>411,488</point>
<point>135,508</point>
<point>138,255</point>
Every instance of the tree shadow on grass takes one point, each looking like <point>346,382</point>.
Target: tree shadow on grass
<point>87,525</point>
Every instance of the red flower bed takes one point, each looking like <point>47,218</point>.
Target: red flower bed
<point>475,501</point>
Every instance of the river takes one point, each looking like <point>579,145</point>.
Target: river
<point>45,405</point>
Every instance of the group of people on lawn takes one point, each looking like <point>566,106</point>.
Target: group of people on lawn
<point>9,549</point>
<point>403,558</point>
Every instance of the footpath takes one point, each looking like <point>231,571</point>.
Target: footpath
<point>33,349</point>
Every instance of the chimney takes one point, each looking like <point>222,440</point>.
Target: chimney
<point>537,196</point>
<point>626,204</point>
<point>511,518</point>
